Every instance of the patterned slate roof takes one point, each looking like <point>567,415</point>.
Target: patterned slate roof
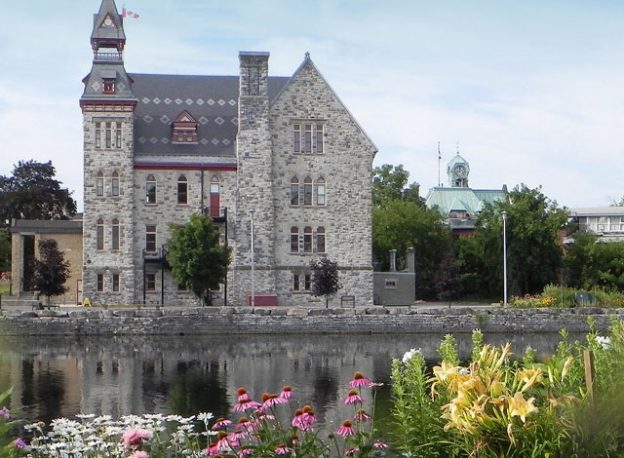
<point>461,199</point>
<point>211,100</point>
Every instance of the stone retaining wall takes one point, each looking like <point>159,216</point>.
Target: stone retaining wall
<point>282,320</point>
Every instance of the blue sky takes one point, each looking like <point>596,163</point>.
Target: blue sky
<point>532,91</point>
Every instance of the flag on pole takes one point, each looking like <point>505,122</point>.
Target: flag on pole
<point>128,13</point>
<point>439,153</point>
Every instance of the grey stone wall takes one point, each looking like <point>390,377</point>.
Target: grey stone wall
<point>300,320</point>
<point>345,165</point>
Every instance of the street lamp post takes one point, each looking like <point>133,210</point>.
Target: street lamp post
<point>253,279</point>
<point>504,257</point>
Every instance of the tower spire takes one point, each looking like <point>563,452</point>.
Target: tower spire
<point>108,31</point>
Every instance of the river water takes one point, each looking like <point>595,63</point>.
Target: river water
<point>60,376</point>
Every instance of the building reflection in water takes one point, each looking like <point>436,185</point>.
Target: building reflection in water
<point>53,377</point>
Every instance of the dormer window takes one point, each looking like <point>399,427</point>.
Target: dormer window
<point>109,86</point>
<point>184,129</point>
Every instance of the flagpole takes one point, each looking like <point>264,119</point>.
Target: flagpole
<point>439,160</point>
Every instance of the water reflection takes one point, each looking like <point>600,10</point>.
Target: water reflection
<point>54,377</point>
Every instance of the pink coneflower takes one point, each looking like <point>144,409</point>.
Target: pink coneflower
<point>242,394</point>
<point>351,451</point>
<point>244,425</point>
<point>359,381</point>
<point>224,443</point>
<point>245,405</point>
<point>286,393</point>
<point>245,451</point>
<point>361,416</point>
<point>304,419</point>
<point>346,429</point>
<point>282,449</point>
<point>269,400</point>
<point>221,423</point>
<point>139,454</point>
<point>135,436</point>
<point>353,398</point>
<point>380,444</point>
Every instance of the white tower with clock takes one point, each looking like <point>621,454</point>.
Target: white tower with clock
<point>458,170</point>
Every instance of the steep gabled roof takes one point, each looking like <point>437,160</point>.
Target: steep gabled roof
<point>107,24</point>
<point>307,63</point>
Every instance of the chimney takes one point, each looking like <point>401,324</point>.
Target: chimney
<point>393,260</point>
<point>254,73</point>
<point>411,259</point>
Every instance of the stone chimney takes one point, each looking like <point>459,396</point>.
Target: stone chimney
<point>393,253</point>
<point>410,259</point>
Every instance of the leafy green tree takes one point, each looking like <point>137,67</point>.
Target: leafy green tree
<point>32,192</point>
<point>534,252</point>
<point>325,281</point>
<point>196,256</point>
<point>5,250</point>
<point>390,183</point>
<point>591,264</point>
<point>50,269</point>
<point>400,224</point>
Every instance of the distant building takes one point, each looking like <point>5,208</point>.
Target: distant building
<point>459,204</point>
<point>605,222</point>
<point>25,238</point>
<point>396,287</point>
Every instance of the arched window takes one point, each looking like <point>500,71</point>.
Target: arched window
<point>307,239</point>
<point>215,200</point>
<point>294,239</point>
<point>182,190</point>
<point>99,234</point>
<point>307,191</point>
<point>320,239</point>
<point>115,235</point>
<point>115,184</point>
<point>99,184</point>
<point>294,191</point>
<point>320,192</point>
<point>150,190</point>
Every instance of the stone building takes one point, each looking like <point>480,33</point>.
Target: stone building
<point>280,153</point>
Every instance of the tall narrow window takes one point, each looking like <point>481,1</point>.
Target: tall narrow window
<point>182,190</point>
<point>98,134</point>
<point>150,282</point>
<point>318,139</point>
<point>320,191</point>
<point>99,235</point>
<point>296,285</point>
<point>294,239</point>
<point>109,86</point>
<point>307,138</point>
<point>307,239</point>
<point>307,282</point>
<point>294,191</point>
<point>115,235</point>
<point>118,135</point>
<point>297,138</point>
<point>115,283</point>
<point>215,201</point>
<point>100,282</point>
<point>150,238</point>
<point>307,191</point>
<point>99,184</point>
<point>115,184</point>
<point>150,190</point>
<point>320,240</point>
<point>109,134</point>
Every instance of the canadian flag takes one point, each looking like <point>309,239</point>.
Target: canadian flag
<point>128,13</point>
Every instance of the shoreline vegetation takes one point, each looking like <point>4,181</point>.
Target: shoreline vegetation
<point>495,404</point>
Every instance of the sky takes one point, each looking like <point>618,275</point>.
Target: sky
<point>528,91</point>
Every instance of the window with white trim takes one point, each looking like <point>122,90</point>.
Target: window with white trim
<point>115,184</point>
<point>150,238</point>
<point>108,134</point>
<point>307,191</point>
<point>182,190</point>
<point>99,184</point>
<point>320,239</point>
<point>294,191</point>
<point>99,234</point>
<point>115,235</point>
<point>302,281</point>
<point>308,138</point>
<point>307,239</point>
<point>294,239</point>
<point>320,192</point>
<point>150,282</point>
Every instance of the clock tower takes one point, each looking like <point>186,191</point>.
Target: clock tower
<point>458,170</point>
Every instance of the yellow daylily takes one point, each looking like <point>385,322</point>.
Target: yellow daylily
<point>529,377</point>
<point>520,407</point>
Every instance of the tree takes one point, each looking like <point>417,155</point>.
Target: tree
<point>399,224</point>
<point>390,183</point>
<point>197,259</point>
<point>33,193</point>
<point>448,283</point>
<point>591,264</point>
<point>324,278</point>
<point>534,251</point>
<point>5,250</point>
<point>51,271</point>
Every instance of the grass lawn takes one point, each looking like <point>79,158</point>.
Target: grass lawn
<point>4,289</point>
